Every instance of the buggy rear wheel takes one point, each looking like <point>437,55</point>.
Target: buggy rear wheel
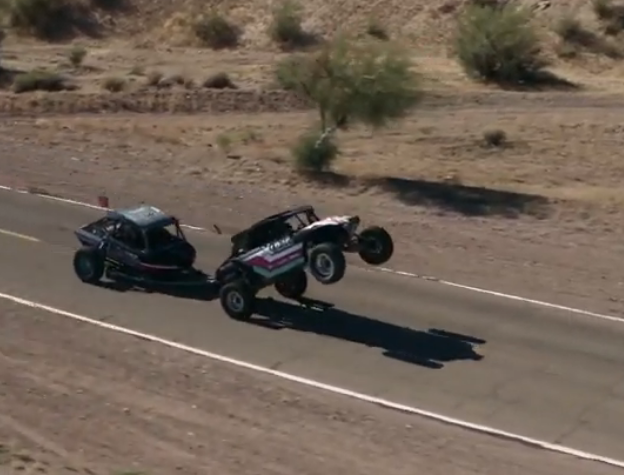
<point>293,285</point>
<point>376,246</point>
<point>89,265</point>
<point>327,263</point>
<point>237,300</point>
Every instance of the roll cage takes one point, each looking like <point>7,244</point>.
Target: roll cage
<point>141,238</point>
<point>272,228</point>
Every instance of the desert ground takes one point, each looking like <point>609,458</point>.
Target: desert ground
<point>539,216</point>
<point>129,406</point>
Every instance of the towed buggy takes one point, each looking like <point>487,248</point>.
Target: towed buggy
<point>148,246</point>
<point>280,248</point>
<point>142,243</point>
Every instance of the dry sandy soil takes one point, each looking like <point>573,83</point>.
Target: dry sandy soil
<point>130,406</point>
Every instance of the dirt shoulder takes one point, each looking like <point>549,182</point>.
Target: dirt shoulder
<point>77,398</point>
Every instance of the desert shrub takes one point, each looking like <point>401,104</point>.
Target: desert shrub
<point>486,3</point>
<point>77,55</point>
<point>377,30</point>
<point>2,36</point>
<point>494,138</point>
<point>603,9</point>
<point>43,18</point>
<point>315,151</point>
<point>40,80</point>
<point>611,15</point>
<point>499,45</point>
<point>215,31</point>
<point>114,84</point>
<point>224,142</point>
<point>286,24</point>
<point>154,78</point>
<point>219,81</point>
<point>573,33</point>
<point>570,30</point>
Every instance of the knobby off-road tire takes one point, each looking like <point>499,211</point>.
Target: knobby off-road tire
<point>238,300</point>
<point>377,246</point>
<point>293,285</point>
<point>89,265</point>
<point>327,263</point>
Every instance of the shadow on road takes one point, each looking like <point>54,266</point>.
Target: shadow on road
<point>431,349</point>
<point>201,291</point>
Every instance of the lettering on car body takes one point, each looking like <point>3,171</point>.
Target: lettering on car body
<point>280,245</point>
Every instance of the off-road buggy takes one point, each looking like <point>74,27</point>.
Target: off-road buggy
<point>140,243</point>
<point>280,248</point>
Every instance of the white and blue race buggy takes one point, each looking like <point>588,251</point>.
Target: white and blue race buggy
<point>279,249</point>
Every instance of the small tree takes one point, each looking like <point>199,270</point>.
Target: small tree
<point>369,82</point>
<point>499,44</point>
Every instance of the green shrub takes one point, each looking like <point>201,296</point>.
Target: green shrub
<point>312,154</point>
<point>285,27</point>
<point>499,45</point>
<point>370,82</point>
<point>215,31</point>
<point>39,80</point>
<point>289,72</point>
<point>77,55</point>
<point>42,18</point>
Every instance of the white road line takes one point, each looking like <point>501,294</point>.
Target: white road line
<point>506,296</point>
<point>493,293</point>
<point>326,387</point>
<point>6,232</point>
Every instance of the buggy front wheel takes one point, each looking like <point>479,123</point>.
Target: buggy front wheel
<point>237,300</point>
<point>327,263</point>
<point>376,246</point>
<point>89,265</point>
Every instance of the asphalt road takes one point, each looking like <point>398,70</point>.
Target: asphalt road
<point>538,372</point>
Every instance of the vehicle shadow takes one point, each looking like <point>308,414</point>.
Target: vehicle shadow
<point>202,291</point>
<point>462,199</point>
<point>431,349</point>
